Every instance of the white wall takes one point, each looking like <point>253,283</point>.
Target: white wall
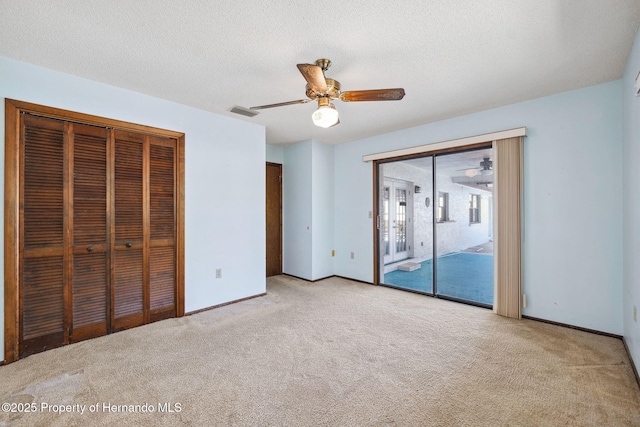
<point>308,210</point>
<point>224,182</point>
<point>573,194</point>
<point>297,216</point>
<point>275,153</point>
<point>322,210</point>
<point>631,137</point>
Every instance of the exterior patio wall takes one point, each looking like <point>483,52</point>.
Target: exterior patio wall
<point>453,236</point>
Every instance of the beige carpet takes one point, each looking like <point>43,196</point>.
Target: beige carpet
<point>330,353</point>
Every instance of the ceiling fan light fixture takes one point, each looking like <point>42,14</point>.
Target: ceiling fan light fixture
<point>322,89</point>
<point>471,172</point>
<point>486,172</point>
<point>325,116</point>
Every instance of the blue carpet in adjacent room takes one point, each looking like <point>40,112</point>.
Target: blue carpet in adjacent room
<point>461,275</point>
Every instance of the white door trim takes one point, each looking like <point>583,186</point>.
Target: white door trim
<point>460,142</point>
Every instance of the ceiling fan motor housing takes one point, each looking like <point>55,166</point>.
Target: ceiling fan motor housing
<point>323,63</point>
<point>333,90</point>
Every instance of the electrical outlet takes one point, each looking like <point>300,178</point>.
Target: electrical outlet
<point>218,273</point>
<point>370,214</point>
<point>524,300</point>
<point>353,255</point>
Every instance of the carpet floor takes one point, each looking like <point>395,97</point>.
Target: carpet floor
<point>330,353</point>
<point>461,275</point>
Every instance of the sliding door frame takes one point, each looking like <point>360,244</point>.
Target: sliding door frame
<point>13,110</point>
<point>376,196</point>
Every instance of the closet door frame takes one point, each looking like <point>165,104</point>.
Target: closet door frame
<point>13,110</point>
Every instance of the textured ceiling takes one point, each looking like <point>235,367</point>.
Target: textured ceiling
<point>452,57</point>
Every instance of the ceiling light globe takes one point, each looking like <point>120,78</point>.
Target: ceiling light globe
<point>325,116</point>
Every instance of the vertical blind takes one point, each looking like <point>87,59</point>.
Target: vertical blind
<point>508,226</point>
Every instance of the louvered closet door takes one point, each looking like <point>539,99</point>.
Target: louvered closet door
<point>42,224</point>
<point>162,213</point>
<point>90,250</point>
<point>129,294</point>
<point>94,227</point>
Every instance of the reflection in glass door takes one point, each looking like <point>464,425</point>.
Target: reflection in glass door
<point>452,201</point>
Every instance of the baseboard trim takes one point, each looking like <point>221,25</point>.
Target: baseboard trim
<point>307,280</point>
<point>213,307</point>
<point>328,277</point>
<point>355,280</point>
<point>593,331</point>
<point>578,328</point>
<point>633,365</point>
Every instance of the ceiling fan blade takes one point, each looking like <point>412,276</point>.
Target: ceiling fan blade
<point>281,104</point>
<point>373,95</point>
<point>314,75</point>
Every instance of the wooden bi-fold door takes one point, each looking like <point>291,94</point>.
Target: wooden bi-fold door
<point>88,269</point>
<point>145,229</point>
<point>98,234</point>
<point>64,276</point>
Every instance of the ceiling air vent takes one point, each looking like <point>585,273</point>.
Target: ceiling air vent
<point>244,111</point>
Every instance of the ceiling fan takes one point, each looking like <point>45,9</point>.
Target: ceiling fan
<point>324,90</point>
<point>486,168</point>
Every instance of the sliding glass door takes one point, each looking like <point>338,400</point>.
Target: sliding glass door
<point>406,224</point>
<point>448,233</point>
<point>464,245</point>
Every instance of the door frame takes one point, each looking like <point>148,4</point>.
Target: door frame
<point>13,110</point>
<point>278,166</point>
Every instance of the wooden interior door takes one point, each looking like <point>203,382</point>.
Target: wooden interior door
<point>130,296</point>
<point>274,219</point>
<point>42,223</point>
<point>89,222</point>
